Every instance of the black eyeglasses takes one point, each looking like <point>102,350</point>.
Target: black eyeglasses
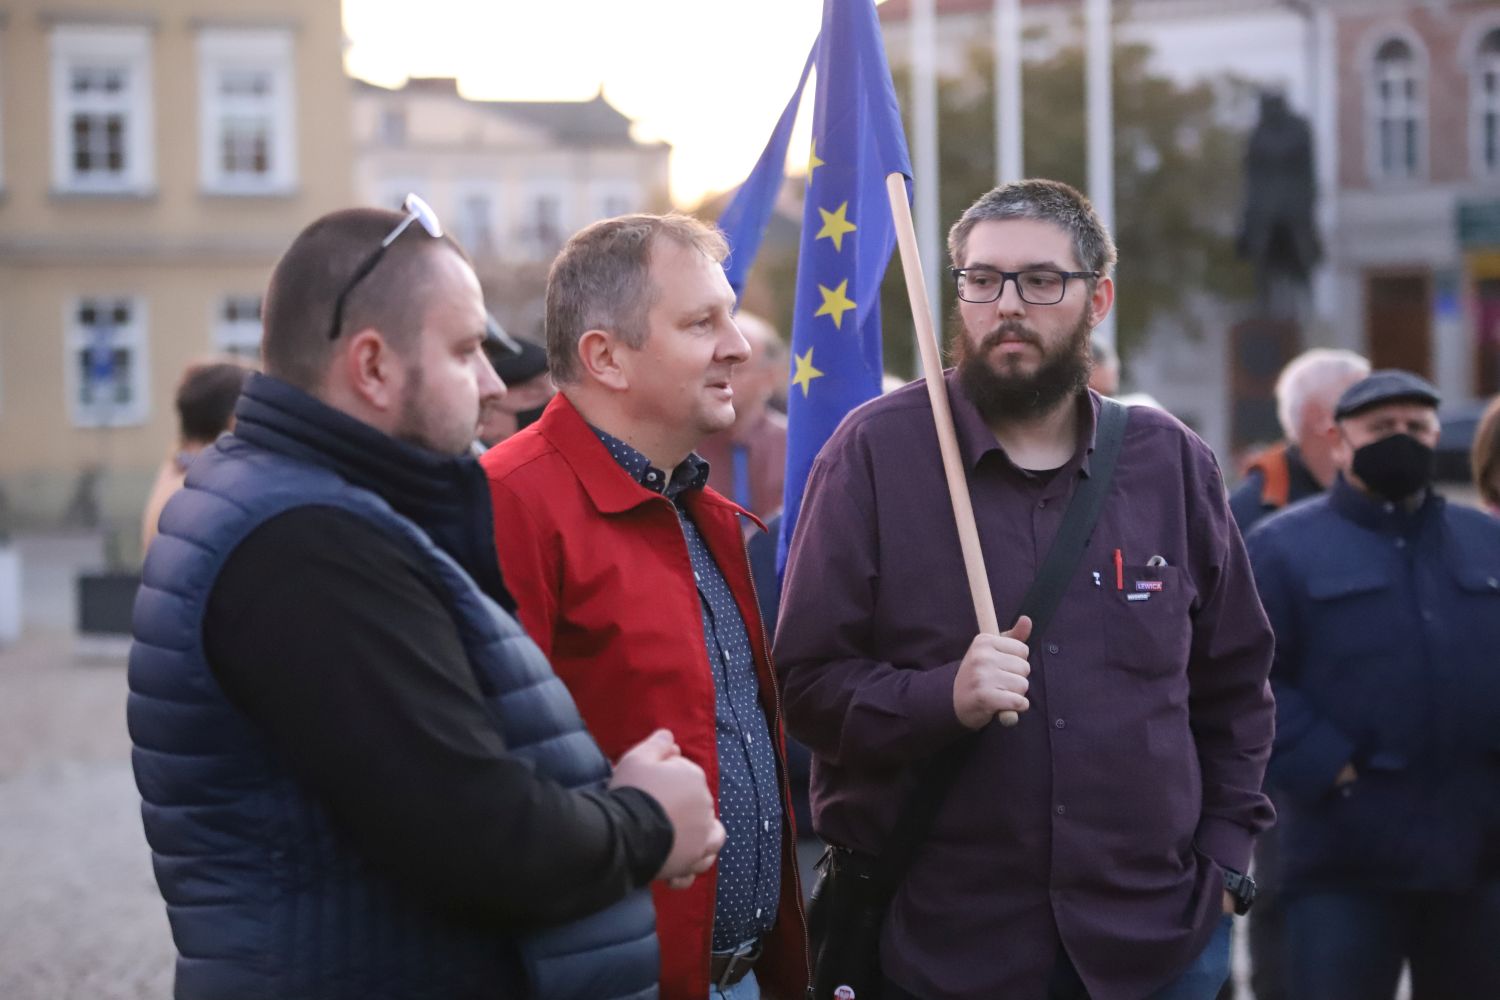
<point>417,211</point>
<point>1037,287</point>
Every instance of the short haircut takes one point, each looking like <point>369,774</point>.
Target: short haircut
<point>602,281</point>
<point>1321,374</point>
<point>1484,459</point>
<point>206,397</point>
<point>393,298</point>
<point>1044,201</point>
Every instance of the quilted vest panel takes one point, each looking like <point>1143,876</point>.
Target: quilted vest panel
<point>264,898</point>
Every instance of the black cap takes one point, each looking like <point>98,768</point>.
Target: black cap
<point>515,360</point>
<point>1389,385</point>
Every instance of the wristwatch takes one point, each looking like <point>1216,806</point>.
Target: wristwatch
<point>1242,888</point>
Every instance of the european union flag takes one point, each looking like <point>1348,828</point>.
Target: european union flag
<point>847,235</point>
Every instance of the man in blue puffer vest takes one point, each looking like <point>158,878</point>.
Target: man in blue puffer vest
<point>360,778</point>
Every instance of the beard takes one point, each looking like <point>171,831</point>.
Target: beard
<point>1013,395</point>
<point>422,424</point>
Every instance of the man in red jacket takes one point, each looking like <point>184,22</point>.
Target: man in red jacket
<point>631,574</point>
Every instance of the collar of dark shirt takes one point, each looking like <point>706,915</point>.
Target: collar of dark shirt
<point>976,440</point>
<point>691,473</point>
<point>1380,515</point>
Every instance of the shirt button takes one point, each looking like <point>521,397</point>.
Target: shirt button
<point>1400,543</point>
<point>759,911</point>
<point>1051,647</point>
<point>1062,810</point>
<point>1494,584</point>
<point>1059,724</point>
<point>1427,616</point>
<point>1041,504</point>
<point>747,739</point>
<point>765,825</point>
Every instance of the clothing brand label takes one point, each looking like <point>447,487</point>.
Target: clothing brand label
<point>1148,585</point>
<point>1137,597</point>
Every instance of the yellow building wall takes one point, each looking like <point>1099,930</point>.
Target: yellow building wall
<point>180,249</point>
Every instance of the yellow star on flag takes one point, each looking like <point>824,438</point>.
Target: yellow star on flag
<point>835,225</point>
<point>836,302</point>
<point>805,371</point>
<point>813,163</point>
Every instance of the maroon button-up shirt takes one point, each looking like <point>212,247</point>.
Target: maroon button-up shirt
<point>1100,821</point>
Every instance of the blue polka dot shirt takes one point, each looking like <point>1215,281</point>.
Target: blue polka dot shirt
<point>749,792</point>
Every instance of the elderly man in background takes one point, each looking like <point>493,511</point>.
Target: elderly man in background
<point>1385,601</point>
<point>1301,465</point>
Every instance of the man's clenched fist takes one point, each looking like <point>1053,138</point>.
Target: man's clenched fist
<point>992,677</point>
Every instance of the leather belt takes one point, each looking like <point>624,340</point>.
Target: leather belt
<point>725,968</point>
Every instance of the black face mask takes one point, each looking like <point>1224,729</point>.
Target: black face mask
<point>1395,467</point>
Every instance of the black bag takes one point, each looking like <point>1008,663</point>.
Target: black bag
<point>849,903</point>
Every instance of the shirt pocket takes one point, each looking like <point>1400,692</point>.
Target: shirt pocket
<point>1145,616</point>
<point>1352,611</point>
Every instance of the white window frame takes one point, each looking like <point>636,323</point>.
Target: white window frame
<point>1403,108</point>
<point>465,192</point>
<point>130,337</point>
<point>603,193</point>
<point>385,117</point>
<point>529,237</point>
<point>242,50</point>
<point>238,336</point>
<point>1484,106</point>
<point>125,47</point>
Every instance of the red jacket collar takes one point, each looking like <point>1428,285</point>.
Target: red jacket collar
<point>609,487</point>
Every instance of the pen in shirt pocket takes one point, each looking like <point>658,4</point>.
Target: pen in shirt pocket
<point>1119,570</point>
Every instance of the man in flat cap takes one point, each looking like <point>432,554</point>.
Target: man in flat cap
<point>522,366</point>
<point>1385,601</point>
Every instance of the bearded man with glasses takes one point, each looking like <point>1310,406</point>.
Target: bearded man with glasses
<point>360,778</point>
<point>1095,849</point>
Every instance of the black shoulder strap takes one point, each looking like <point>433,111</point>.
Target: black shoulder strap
<point>1042,598</point>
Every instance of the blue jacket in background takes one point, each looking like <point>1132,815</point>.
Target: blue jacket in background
<point>267,901</point>
<point>1387,630</point>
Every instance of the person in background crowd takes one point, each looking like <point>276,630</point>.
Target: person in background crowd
<point>205,409</point>
<point>1104,377</point>
<point>1098,847</point>
<point>1385,601</point>
<point>1301,465</point>
<point>359,778</point>
<point>747,462</point>
<point>522,366</point>
<point>1484,458</point>
<point>632,575</point>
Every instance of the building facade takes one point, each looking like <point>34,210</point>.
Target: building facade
<point>1403,97</point>
<point>511,180</point>
<point>1415,248</point>
<point>156,157</point>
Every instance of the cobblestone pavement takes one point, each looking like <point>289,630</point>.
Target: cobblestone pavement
<point>80,918</point>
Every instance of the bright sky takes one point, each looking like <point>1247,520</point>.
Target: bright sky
<point>708,76</point>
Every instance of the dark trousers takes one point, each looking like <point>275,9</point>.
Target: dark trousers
<point>1350,945</point>
<point>1199,981</point>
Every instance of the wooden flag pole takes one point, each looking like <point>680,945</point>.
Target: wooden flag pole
<point>937,391</point>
